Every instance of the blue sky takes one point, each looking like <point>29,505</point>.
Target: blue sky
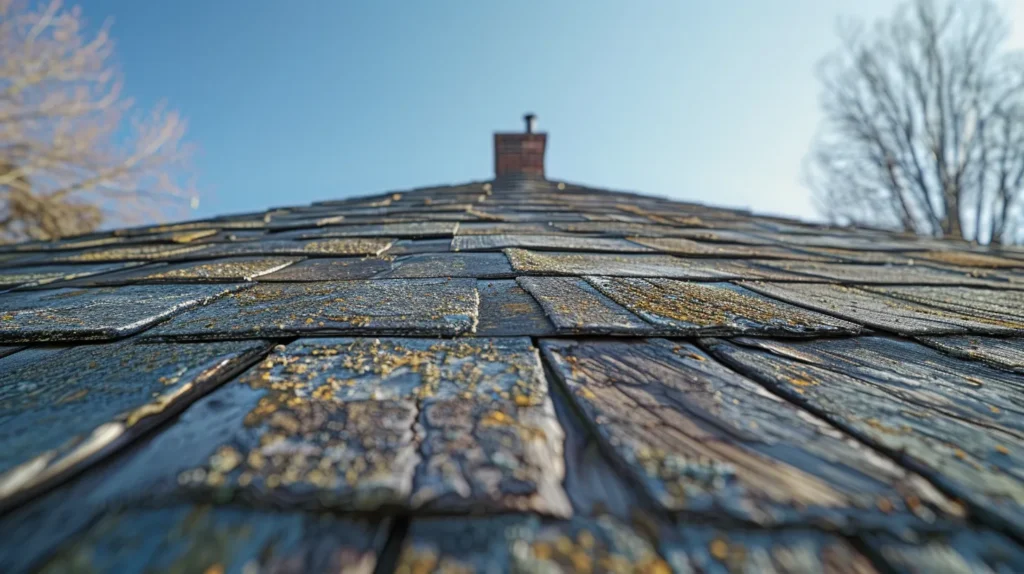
<point>292,102</point>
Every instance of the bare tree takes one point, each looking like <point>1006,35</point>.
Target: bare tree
<point>73,151</point>
<point>924,124</point>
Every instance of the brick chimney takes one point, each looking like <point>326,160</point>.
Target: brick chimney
<point>521,153</point>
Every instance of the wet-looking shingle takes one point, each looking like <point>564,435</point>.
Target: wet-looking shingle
<point>465,378</point>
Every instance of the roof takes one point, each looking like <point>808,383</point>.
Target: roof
<point>517,374</point>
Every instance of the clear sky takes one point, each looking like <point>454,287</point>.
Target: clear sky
<point>292,102</point>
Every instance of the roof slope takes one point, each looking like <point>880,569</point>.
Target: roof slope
<point>519,375</point>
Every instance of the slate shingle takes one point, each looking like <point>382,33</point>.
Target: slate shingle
<point>330,269</point>
<point>868,274</point>
<point>62,408</point>
<point>546,242</point>
<point>970,459</point>
<point>477,265</point>
<point>507,310</point>
<point>140,252</point>
<point>439,307</point>
<point>1003,352</point>
<point>96,314</point>
<point>227,270</point>
<point>335,247</point>
<point>39,275</point>
<point>705,440</point>
<point>690,308</point>
<point>368,424</point>
<point>876,309</point>
<point>576,307</point>
<point>861,451</point>
<point>204,539</point>
<point>418,230</point>
<point>522,543</point>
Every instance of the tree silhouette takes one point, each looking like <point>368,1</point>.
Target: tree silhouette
<point>924,124</point>
<point>74,152</point>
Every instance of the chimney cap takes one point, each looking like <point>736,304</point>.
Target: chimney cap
<point>531,122</point>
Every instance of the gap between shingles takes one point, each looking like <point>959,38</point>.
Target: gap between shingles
<point>391,551</point>
<point>592,455</point>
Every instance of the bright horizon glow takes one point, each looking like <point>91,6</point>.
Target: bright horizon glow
<point>712,102</point>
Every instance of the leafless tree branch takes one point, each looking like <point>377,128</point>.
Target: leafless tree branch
<point>74,153</point>
<point>924,124</point>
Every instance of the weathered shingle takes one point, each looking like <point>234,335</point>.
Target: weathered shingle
<point>330,269</point>
<point>1007,353</point>
<point>477,265</point>
<point>42,274</point>
<point>858,409</point>
<point>338,247</point>
<point>875,308</point>
<point>91,314</point>
<point>438,307</point>
<point>575,306</point>
<point>547,242</point>
<point>691,308</point>
<point>703,439</point>
<point>205,539</point>
<point>506,309</point>
<point>525,544</point>
<point>61,408</point>
<point>967,456</point>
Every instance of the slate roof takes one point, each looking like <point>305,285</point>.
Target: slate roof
<point>517,374</point>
